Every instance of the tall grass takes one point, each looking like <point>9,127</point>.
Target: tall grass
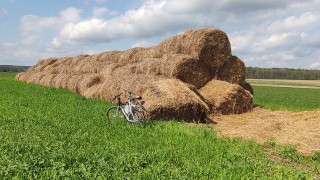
<point>53,133</point>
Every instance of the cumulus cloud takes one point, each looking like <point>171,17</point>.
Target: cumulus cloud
<point>31,24</point>
<point>97,12</point>
<point>142,44</point>
<point>245,6</point>
<point>264,33</point>
<point>153,18</point>
<point>315,65</point>
<point>299,22</point>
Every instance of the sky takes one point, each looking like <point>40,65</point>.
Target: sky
<point>263,33</point>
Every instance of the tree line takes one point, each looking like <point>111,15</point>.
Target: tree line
<point>251,72</point>
<point>11,68</point>
<point>282,73</point>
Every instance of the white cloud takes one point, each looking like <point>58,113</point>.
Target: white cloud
<point>315,65</point>
<point>33,24</point>
<point>70,15</point>
<point>246,6</point>
<point>264,33</point>
<point>295,22</point>
<point>153,18</point>
<point>143,44</point>
<point>97,12</point>
<point>241,41</point>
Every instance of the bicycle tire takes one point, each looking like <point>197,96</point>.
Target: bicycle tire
<point>114,113</point>
<point>139,117</point>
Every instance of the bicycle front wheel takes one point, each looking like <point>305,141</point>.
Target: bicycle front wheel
<point>114,113</point>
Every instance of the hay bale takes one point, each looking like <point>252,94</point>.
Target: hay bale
<point>182,67</point>
<point>47,80</point>
<point>164,98</point>
<point>172,99</point>
<point>247,87</point>
<point>227,98</point>
<point>233,71</point>
<point>168,75</point>
<point>21,76</point>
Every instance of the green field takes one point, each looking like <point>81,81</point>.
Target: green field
<point>285,98</point>
<point>53,134</point>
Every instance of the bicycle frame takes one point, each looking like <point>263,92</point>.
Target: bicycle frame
<point>123,107</point>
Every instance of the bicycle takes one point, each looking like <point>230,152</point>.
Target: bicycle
<point>132,110</point>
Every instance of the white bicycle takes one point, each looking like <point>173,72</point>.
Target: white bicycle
<point>132,110</point>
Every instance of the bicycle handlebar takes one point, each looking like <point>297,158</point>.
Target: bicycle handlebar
<point>117,96</point>
<point>130,96</point>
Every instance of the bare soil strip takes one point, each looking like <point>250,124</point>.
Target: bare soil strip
<point>288,86</point>
<point>301,129</point>
<point>313,84</point>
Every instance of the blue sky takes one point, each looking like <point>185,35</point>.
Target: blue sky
<point>264,33</point>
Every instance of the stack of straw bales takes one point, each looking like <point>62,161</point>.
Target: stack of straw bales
<point>185,77</point>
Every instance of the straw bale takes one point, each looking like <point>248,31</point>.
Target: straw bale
<point>47,80</point>
<point>182,66</point>
<point>34,77</point>
<point>167,75</point>
<point>172,99</point>
<point>61,81</point>
<point>247,87</point>
<point>233,71</point>
<point>73,83</point>
<point>88,81</point>
<point>22,76</point>
<point>164,98</point>
<point>227,98</point>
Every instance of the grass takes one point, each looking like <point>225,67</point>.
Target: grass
<point>282,98</point>
<point>53,134</point>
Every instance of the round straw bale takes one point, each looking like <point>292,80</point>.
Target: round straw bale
<point>227,98</point>
<point>35,77</point>
<point>233,71</point>
<point>88,81</point>
<point>61,80</point>
<point>247,87</point>
<point>22,76</point>
<point>47,79</point>
<point>74,83</point>
<point>170,99</point>
<point>164,98</point>
<point>192,71</point>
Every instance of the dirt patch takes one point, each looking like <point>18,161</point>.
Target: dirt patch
<point>301,129</point>
<point>288,86</point>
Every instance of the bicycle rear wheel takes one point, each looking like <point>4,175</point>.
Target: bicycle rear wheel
<point>138,117</point>
<point>114,113</point>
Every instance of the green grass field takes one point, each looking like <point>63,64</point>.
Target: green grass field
<point>285,98</point>
<point>53,134</point>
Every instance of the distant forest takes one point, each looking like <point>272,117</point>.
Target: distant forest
<point>10,68</point>
<point>251,72</point>
<point>282,73</point>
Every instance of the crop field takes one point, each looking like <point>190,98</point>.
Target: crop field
<point>54,133</point>
<point>286,98</point>
<point>295,95</point>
